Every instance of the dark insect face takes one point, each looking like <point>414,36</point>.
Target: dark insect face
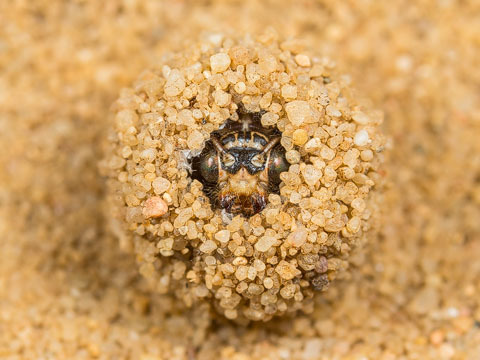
<point>241,165</point>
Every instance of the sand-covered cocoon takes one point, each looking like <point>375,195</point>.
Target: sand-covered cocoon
<point>275,261</point>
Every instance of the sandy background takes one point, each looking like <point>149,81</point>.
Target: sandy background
<point>68,292</point>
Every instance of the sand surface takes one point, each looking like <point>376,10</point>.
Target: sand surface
<point>68,292</point>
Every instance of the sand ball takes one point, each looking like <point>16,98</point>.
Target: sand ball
<point>274,260</point>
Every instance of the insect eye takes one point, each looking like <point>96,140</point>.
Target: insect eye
<point>258,160</point>
<point>206,165</point>
<point>277,164</point>
<point>228,160</point>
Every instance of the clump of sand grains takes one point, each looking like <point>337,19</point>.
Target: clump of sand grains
<point>275,261</point>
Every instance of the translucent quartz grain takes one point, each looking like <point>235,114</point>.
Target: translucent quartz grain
<point>223,236</point>
<point>361,138</point>
<point>195,140</point>
<point>175,83</point>
<point>302,60</point>
<point>286,270</point>
<point>265,243</point>
<point>300,137</point>
<point>289,92</point>
<point>208,246</point>
<point>219,62</point>
<point>298,112</point>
